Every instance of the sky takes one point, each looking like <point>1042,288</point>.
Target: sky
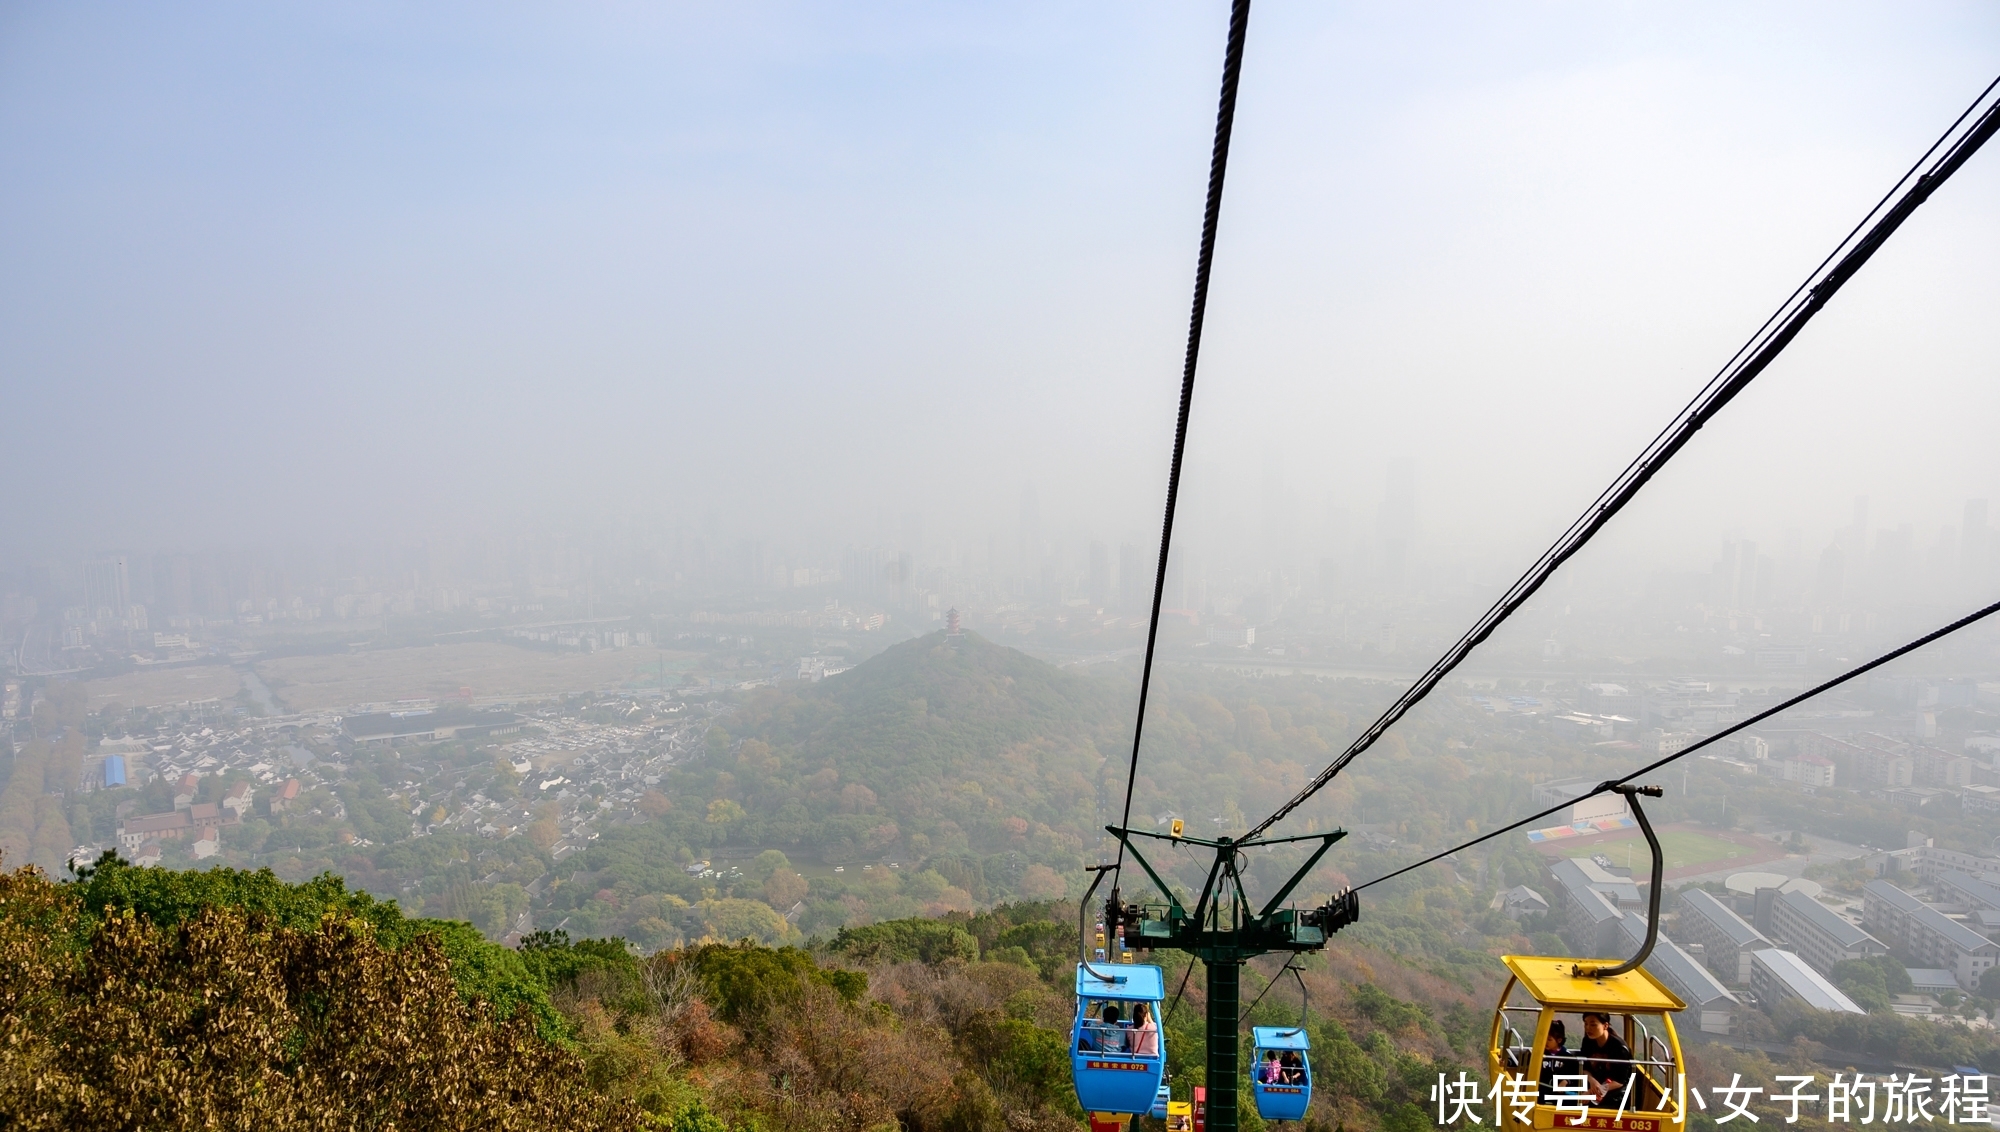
<point>377,270</point>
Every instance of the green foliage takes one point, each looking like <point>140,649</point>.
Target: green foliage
<point>166,897</point>
<point>1387,1011</point>
<point>906,941</point>
<point>746,983</point>
<point>1014,1052</point>
<point>224,1018</point>
<point>1888,1036</point>
<point>553,959</point>
<point>1870,981</point>
<point>692,1117</point>
<point>1343,1067</point>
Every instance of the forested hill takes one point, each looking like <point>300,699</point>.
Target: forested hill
<point>938,776</point>
<point>936,747</point>
<point>968,697</point>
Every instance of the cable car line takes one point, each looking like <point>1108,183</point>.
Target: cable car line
<point>1274,982</point>
<point>1218,165</point>
<point>1743,367</point>
<point>1169,1013</point>
<point>1613,784</point>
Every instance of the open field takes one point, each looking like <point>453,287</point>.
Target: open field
<point>1684,848</point>
<point>150,687</point>
<point>313,683</point>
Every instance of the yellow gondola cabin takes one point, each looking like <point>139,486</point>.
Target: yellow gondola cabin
<point>1564,1085</point>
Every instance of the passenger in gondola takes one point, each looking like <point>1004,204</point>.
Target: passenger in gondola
<point>1145,1034</point>
<point>1269,1072</point>
<point>1110,1032</point>
<point>1291,1068</point>
<point>1555,1060</point>
<point>1605,1059</point>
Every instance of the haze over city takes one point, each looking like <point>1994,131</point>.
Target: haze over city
<point>370,278</point>
<point>600,566</point>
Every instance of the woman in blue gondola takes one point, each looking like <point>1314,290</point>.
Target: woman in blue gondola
<point>1268,1070</point>
<point>1145,1035</point>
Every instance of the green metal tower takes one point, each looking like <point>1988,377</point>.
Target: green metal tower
<point>1223,932</point>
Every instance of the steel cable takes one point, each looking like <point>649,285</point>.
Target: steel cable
<point>1218,165</point>
<point>1744,366</point>
<point>1605,787</point>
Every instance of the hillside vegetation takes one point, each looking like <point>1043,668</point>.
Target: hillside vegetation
<point>149,998</point>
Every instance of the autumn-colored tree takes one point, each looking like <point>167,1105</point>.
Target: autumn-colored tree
<point>230,1019</point>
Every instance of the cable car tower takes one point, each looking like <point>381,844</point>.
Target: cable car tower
<point>1224,932</point>
<point>1226,928</point>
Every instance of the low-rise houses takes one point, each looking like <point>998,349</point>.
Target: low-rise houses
<point>237,800</point>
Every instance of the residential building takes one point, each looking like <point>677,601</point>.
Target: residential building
<point>1780,976</point>
<point>1931,980</point>
<point>1727,939</point>
<point>171,826</point>
<point>1589,903</point>
<point>1934,767</point>
<point>1818,934</point>
<point>186,791</point>
<point>201,820</point>
<point>1926,936</point>
<point>1931,862</point>
<point>1806,770</point>
<point>284,796</point>
<point>1979,798</point>
<point>1914,798</point>
<point>1519,902</point>
<point>1964,888</point>
<point>1710,1006</point>
<point>237,800</point>
<point>1886,768</point>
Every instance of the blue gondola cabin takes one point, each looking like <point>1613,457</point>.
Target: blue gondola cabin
<point>1117,1048</point>
<point>1281,1072</point>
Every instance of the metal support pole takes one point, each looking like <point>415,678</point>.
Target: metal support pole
<point>1225,981</point>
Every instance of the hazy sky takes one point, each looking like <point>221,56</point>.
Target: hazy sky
<point>284,270</point>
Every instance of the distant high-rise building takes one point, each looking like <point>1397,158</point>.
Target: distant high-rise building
<point>1135,579</point>
<point>1397,520</point>
<point>1031,531</point>
<point>1972,545</point>
<point>1100,575</point>
<point>107,584</point>
<point>1743,594</point>
<point>1831,584</point>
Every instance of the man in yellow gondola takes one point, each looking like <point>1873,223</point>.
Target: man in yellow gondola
<point>1605,1058</point>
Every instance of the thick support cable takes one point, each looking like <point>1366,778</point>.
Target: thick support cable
<point>1218,165</point>
<point>1749,361</point>
<point>1605,787</point>
<point>1652,894</point>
